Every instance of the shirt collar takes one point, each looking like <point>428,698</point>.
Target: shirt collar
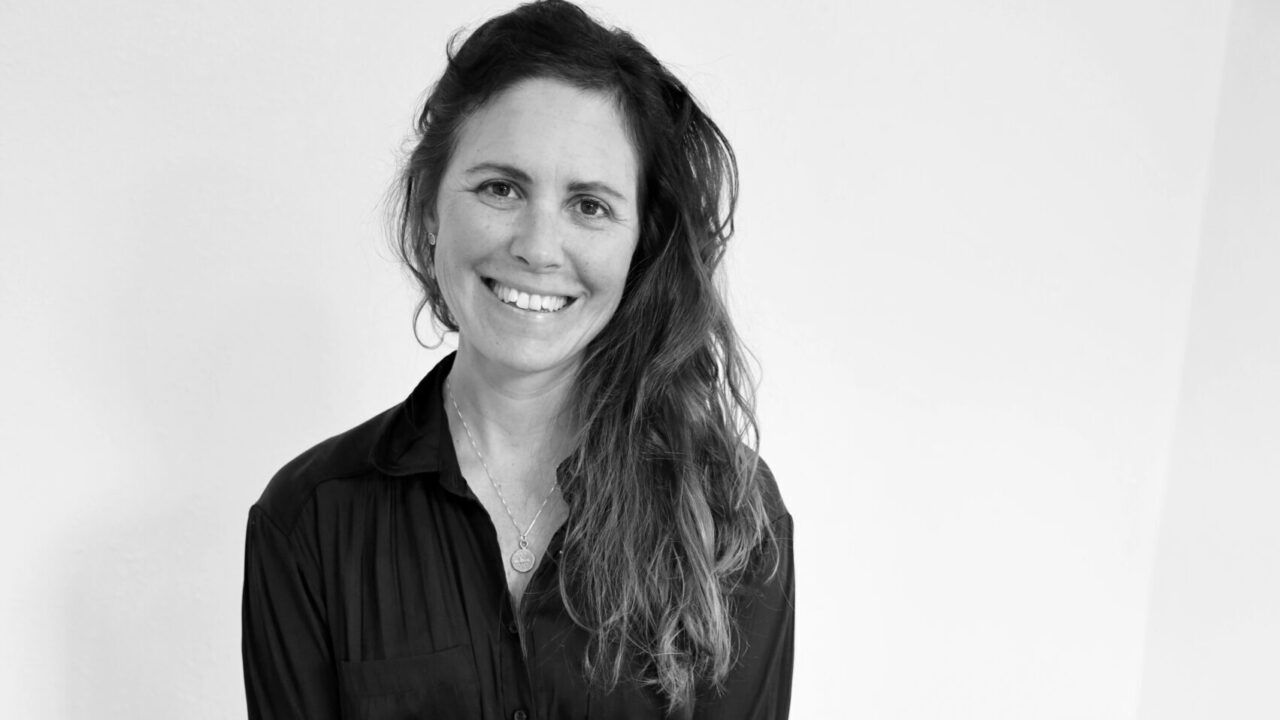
<point>414,435</point>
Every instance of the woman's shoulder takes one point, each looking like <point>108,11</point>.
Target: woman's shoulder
<point>345,455</point>
<point>774,505</point>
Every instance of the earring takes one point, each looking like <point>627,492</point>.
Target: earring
<point>431,238</point>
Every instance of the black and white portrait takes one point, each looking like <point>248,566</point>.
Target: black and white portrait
<point>626,359</point>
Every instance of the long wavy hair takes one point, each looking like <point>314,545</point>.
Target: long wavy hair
<point>666,495</point>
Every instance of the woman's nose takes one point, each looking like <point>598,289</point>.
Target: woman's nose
<point>537,240</point>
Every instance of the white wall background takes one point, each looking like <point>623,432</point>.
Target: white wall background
<point>1213,639</point>
<point>976,240</point>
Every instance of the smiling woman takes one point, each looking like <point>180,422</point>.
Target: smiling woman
<point>567,517</point>
<point>522,226</point>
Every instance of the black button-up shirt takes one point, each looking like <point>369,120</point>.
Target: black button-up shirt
<point>374,589</point>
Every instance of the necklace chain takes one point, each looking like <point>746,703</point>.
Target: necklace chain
<point>524,542</point>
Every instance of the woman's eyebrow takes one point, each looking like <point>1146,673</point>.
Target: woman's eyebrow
<point>598,188</point>
<point>519,175</point>
<point>510,171</point>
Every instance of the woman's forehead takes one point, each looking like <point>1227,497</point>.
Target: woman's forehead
<point>553,131</point>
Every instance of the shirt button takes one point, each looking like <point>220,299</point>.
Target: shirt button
<point>520,715</point>
<point>513,628</point>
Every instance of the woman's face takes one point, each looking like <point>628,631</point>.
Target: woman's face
<point>536,221</point>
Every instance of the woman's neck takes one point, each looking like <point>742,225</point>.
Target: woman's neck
<point>512,412</point>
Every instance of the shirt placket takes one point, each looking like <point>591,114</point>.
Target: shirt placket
<point>514,683</point>
<point>527,645</point>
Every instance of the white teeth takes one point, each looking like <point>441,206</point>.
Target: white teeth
<point>529,301</point>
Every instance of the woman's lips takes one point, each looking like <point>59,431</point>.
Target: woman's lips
<point>533,302</point>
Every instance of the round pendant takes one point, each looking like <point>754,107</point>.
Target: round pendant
<point>522,560</point>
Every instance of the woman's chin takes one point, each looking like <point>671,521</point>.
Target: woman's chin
<point>524,358</point>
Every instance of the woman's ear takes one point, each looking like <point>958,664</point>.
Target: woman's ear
<point>431,224</point>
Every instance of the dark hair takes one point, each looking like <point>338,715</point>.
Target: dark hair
<point>666,496</point>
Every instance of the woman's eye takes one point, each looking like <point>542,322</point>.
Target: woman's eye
<point>499,189</point>
<point>593,208</point>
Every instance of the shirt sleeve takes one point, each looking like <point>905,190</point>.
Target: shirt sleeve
<point>288,664</point>
<point>759,686</point>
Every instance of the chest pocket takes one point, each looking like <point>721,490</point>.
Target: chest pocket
<point>442,685</point>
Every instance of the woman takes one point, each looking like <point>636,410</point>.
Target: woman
<point>563,519</point>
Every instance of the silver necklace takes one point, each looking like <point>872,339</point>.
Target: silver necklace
<point>523,558</point>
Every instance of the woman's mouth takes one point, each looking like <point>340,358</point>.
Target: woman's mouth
<point>526,300</point>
